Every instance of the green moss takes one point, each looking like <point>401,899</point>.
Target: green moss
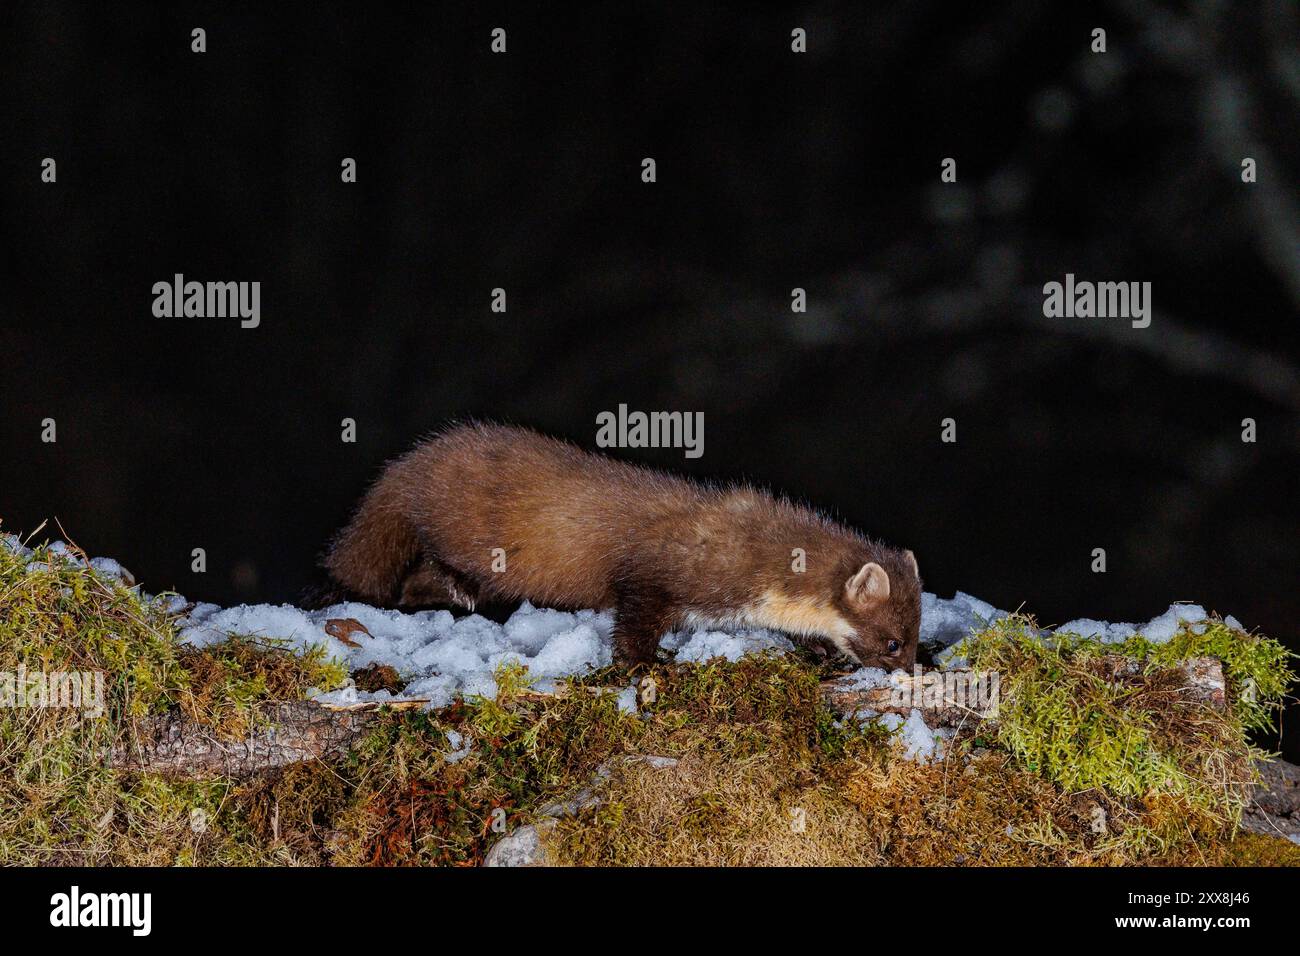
<point>1257,849</point>
<point>225,682</point>
<point>1258,669</point>
<point>58,800</point>
<point>1066,714</point>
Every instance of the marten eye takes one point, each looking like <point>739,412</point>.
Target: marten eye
<point>893,647</point>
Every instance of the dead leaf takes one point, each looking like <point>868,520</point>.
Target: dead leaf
<point>342,629</point>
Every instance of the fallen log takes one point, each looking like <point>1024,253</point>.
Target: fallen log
<point>291,732</point>
<point>958,697</point>
<point>287,733</point>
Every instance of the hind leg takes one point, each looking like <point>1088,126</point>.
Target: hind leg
<point>433,582</point>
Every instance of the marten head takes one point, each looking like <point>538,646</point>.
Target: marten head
<point>882,607</point>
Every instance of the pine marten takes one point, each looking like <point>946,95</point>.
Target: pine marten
<point>487,512</point>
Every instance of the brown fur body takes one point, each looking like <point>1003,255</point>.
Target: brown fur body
<point>582,530</point>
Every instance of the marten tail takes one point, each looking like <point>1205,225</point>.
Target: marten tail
<point>373,554</point>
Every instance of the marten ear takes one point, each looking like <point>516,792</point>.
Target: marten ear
<point>869,586</point>
<point>911,559</point>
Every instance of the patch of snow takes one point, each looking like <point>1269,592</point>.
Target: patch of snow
<point>13,544</point>
<point>917,739</point>
<point>627,700</point>
<point>945,621</point>
<point>912,735</point>
<point>62,550</point>
<point>172,603</point>
<point>1162,628</point>
<point>1101,630</point>
<point>460,747</point>
<point>866,678</point>
<point>572,650</point>
<point>706,645</point>
<point>111,569</point>
<point>440,655</point>
<point>1158,630</point>
<point>890,722</point>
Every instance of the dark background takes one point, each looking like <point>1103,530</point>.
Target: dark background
<point>776,170</point>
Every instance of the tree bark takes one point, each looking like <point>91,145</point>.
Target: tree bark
<point>288,733</point>
<point>1275,805</point>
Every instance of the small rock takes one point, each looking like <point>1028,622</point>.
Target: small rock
<point>525,847</point>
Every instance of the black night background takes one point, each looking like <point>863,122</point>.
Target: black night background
<point>775,171</point>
